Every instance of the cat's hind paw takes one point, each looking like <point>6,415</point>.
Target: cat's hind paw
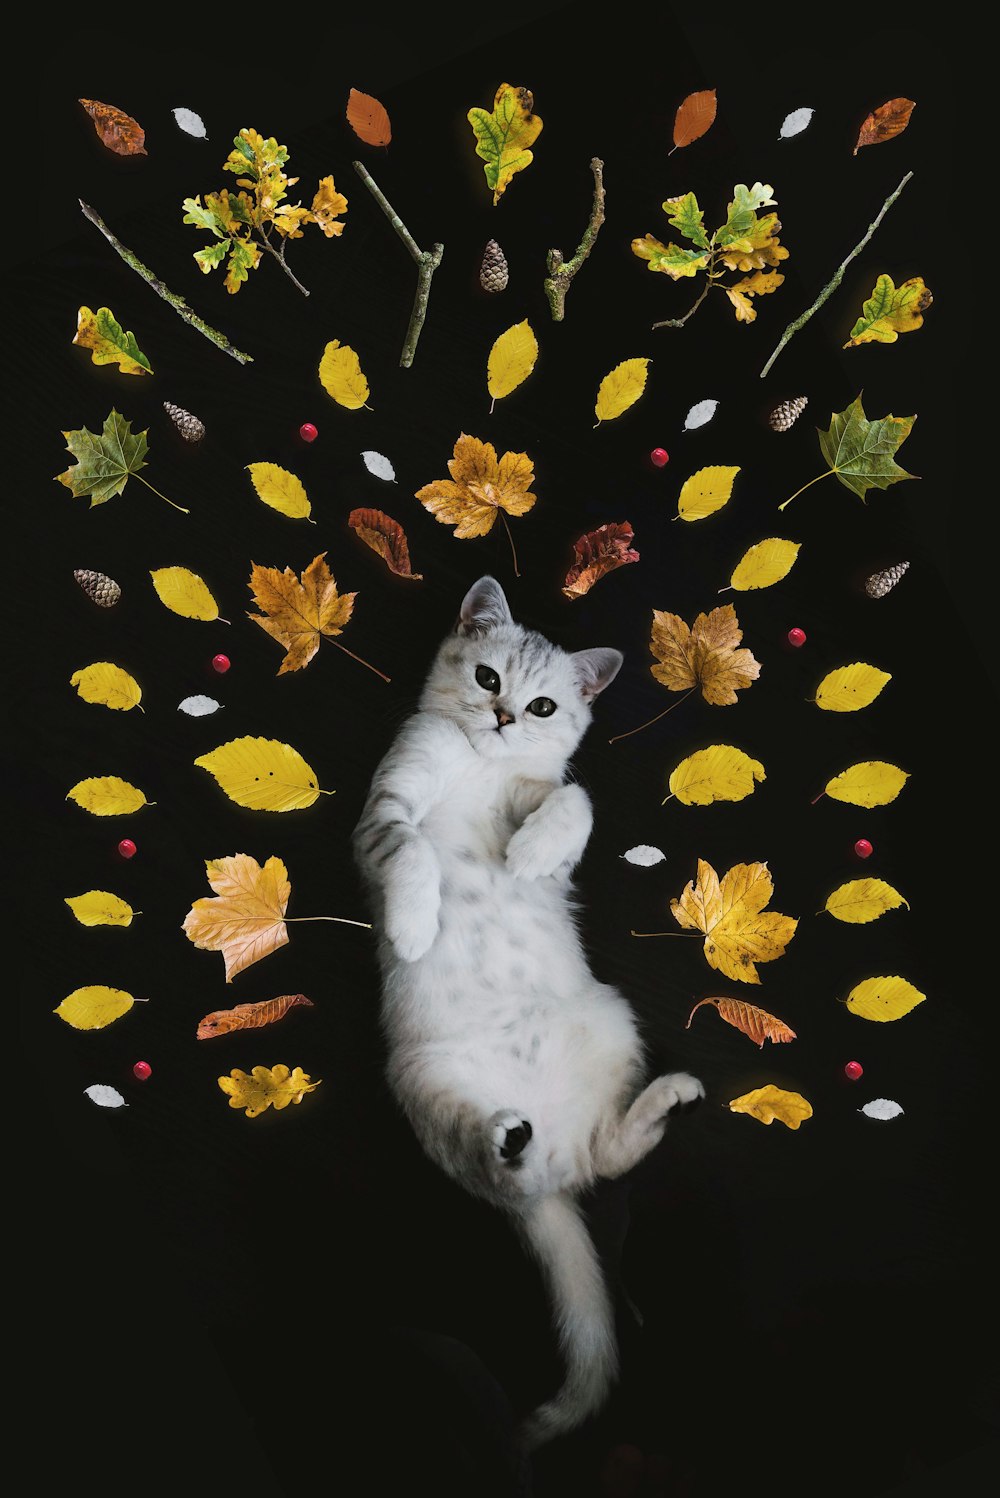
<point>509,1134</point>
<point>678,1091</point>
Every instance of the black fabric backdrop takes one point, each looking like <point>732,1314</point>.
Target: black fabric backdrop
<point>216,1300</point>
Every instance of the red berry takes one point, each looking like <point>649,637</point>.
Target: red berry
<point>221,663</point>
<point>863,848</point>
<point>659,457</point>
<point>142,1071</point>
<point>127,848</point>
<point>796,637</point>
<point>854,1070</point>
<point>308,432</point>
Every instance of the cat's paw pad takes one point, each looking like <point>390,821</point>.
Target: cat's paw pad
<point>411,929</point>
<point>510,1134</point>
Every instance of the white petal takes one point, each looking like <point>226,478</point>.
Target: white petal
<point>198,707</point>
<point>190,123</point>
<point>104,1096</point>
<point>700,414</point>
<point>644,855</point>
<point>881,1107</point>
<point>380,466</point>
<point>795,122</point>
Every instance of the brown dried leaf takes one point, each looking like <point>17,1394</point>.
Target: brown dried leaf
<point>598,553</point>
<point>368,119</point>
<point>703,656</point>
<point>250,1016</point>
<point>118,130</point>
<point>694,116</point>
<point>756,1023</point>
<point>889,120</point>
<point>387,537</point>
<point>245,919</point>
<point>299,613</point>
<point>480,486</point>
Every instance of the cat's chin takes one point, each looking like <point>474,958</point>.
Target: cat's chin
<point>490,743</point>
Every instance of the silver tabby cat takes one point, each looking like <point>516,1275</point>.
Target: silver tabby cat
<point>520,1073</point>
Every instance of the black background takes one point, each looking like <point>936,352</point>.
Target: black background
<point>212,1299</point>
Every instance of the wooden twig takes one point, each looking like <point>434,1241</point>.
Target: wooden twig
<point>561,272</point>
<point>427,262</point>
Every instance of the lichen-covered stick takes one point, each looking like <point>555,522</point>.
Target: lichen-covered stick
<point>561,272</point>
<point>427,262</point>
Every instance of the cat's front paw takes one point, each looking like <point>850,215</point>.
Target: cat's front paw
<point>532,853</point>
<point>411,926</point>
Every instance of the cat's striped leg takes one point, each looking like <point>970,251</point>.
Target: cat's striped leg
<point>623,1142</point>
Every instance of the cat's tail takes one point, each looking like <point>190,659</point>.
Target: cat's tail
<point>584,1318</point>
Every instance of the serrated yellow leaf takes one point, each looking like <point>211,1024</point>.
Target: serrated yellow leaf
<point>262,774</point>
<point>884,998</point>
<point>185,593</point>
<point>770,1103</point>
<point>280,489</point>
<point>107,796</point>
<point>861,900</point>
<point>719,773</point>
<point>705,492</point>
<point>266,1087</point>
<point>107,685</point>
<point>512,358</point>
<point>764,564</point>
<point>98,907</point>
<point>739,932</point>
<point>621,388</point>
<point>94,1007</point>
<point>341,376</point>
<point>850,687</point>
<point>872,782</point>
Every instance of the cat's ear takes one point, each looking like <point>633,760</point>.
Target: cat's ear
<point>483,608</point>
<point>596,669</point>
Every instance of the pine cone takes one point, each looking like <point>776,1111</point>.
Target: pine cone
<point>103,591</point>
<point>493,270</point>
<point>190,428</point>
<point>785,415</point>
<point>881,583</point>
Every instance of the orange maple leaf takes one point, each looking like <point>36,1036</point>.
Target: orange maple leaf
<point>298,613</point>
<point>703,656</point>
<point>481,487</point>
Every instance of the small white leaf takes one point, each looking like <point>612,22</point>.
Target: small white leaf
<point>644,855</point>
<point>795,122</point>
<point>699,415</point>
<point>104,1096</point>
<point>881,1107</point>
<point>380,466</point>
<point>198,706</point>
<point>190,123</point>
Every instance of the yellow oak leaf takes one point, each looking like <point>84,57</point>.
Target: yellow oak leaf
<point>512,358</point>
<point>245,919</point>
<point>764,564</point>
<point>872,782</point>
<point>770,1103</point>
<point>504,136</point>
<point>299,612</point>
<point>185,593</point>
<point>719,773</point>
<point>621,388</point>
<point>341,376</point>
<point>107,796</point>
<point>850,687</point>
<point>742,305</point>
<point>705,492</point>
<point>703,656</point>
<point>479,488</point>
<point>266,1087</point>
<point>282,490</point>
<point>861,900</point>
<point>739,933</point>
<point>108,686</point>
<point>327,205</point>
<point>263,774</point>
<point>884,999</point>
<point>108,342</point>
<point>98,907</point>
<point>891,310</point>
<point>94,1007</point>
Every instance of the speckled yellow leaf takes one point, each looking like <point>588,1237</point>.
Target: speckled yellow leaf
<point>107,685</point>
<point>98,907</point>
<point>872,782</point>
<point>185,593</point>
<point>861,900</point>
<point>718,773</point>
<point>884,998</point>
<point>512,358</point>
<point>621,388</point>
<point>94,1007</point>
<point>107,796</point>
<point>850,687</point>
<point>341,376</point>
<point>770,1103</point>
<point>764,564</point>
<point>266,1087</point>
<point>280,489</point>
<point>705,492</point>
<point>263,774</point>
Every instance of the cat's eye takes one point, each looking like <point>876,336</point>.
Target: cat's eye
<point>542,707</point>
<point>488,678</point>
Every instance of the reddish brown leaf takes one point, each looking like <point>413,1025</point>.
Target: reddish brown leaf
<point>387,537</point>
<point>694,116</point>
<point>883,123</point>
<point>250,1016</point>
<point>754,1022</point>
<point>598,553</point>
<point>118,130</point>
<point>368,119</point>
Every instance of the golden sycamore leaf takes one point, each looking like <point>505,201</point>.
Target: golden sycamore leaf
<point>884,999</point>
<point>98,907</point>
<point>738,931</point>
<point>764,564</point>
<point>770,1103</point>
<point>621,388</point>
<point>719,773</point>
<point>341,376</point>
<point>94,1007</point>
<point>872,782</point>
<point>503,137</point>
<point>861,900</point>
<point>266,1087</point>
<point>107,796</point>
<point>757,1024</point>
<point>108,342</point>
<point>282,490</point>
<point>889,311</point>
<point>703,656</point>
<point>299,612</point>
<point>244,920</point>
<point>263,774</point>
<point>479,487</point>
<point>705,492</point>
<point>184,593</point>
<point>512,358</point>
<point>850,687</point>
<point>108,686</point>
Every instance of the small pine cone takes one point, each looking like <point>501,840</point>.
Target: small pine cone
<point>493,270</point>
<point>785,415</point>
<point>190,428</point>
<point>103,591</point>
<point>881,583</point>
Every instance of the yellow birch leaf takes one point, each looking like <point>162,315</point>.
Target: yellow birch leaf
<point>621,388</point>
<point>340,375</point>
<point>184,593</point>
<point>850,687</point>
<point>98,907</point>
<point>108,342</point>
<point>770,1103</point>
<point>280,489</point>
<point>266,1087</point>
<point>107,796</point>
<point>764,564</point>
<point>719,773</point>
<point>884,998</point>
<point>861,900</point>
<point>705,492</point>
<point>512,358</point>
<point>94,1007</point>
<point>263,774</point>
<point>107,685</point>
<point>872,782</point>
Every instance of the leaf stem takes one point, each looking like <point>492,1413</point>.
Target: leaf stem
<point>650,721</point>
<point>678,322</point>
<point>280,257</point>
<point>816,480</point>
<point>560,272</point>
<point>817,798</point>
<point>510,538</point>
<point>667,933</point>
<point>360,661</point>
<point>343,921</point>
<point>427,262</point>
<point>667,798</point>
<point>161,496</point>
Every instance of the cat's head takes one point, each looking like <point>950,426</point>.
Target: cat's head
<point>511,691</point>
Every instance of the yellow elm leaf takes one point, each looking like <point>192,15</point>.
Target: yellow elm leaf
<point>705,492</point>
<point>107,685</point>
<point>850,687</point>
<point>872,782</point>
<point>108,342</point>
<point>263,774</point>
<point>340,375</point>
<point>266,1087</point>
<point>184,593</point>
<point>98,907</point>
<point>861,900</point>
<point>719,773</point>
<point>512,358</point>
<point>503,136</point>
<point>884,998</point>
<point>280,489</point>
<point>770,1103</point>
<point>94,1007</point>
<point>621,388</point>
<point>107,796</point>
<point>764,564</point>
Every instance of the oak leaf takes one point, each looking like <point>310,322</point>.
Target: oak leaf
<point>249,1016</point>
<point>756,1023</point>
<point>761,283</point>
<point>770,1103</point>
<point>885,122</point>
<point>739,933</point>
<point>368,118</point>
<point>479,488</point>
<point>263,774</point>
<point>266,1087</point>
<point>298,612</point>
<point>705,656</point>
<point>244,920</point>
<point>118,130</point>
<point>671,259</point>
<point>889,311</point>
<point>695,115</point>
<point>386,537</point>
<point>503,137</point>
<point>598,553</point>
<point>108,342</point>
<point>327,206</point>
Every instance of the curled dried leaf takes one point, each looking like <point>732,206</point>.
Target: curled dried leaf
<point>116,129</point>
<point>758,1024</point>
<point>598,553</point>
<point>250,1016</point>
<point>885,122</point>
<point>386,537</point>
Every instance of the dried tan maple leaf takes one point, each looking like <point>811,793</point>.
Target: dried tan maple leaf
<point>386,537</point>
<point>756,1023</point>
<point>703,656</point>
<point>598,553</point>
<point>299,613</point>
<point>481,487</point>
<point>245,919</point>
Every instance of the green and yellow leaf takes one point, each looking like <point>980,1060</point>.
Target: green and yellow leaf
<point>107,796</point>
<point>861,452</point>
<point>341,376</point>
<point>862,900</point>
<point>184,592</point>
<point>891,310</point>
<point>108,342</point>
<point>671,259</point>
<point>263,774</point>
<point>104,463</point>
<point>684,215</point>
<point>107,685</point>
<point>621,388</point>
<point>872,782</point>
<point>884,999</point>
<point>94,1007</point>
<point>99,907</point>
<point>764,564</point>
<point>719,773</point>
<point>503,136</point>
<point>850,687</point>
<point>705,492</point>
<point>282,490</point>
<point>770,1103</point>
<point>512,358</point>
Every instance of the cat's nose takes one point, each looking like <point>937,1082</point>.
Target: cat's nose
<point>503,717</point>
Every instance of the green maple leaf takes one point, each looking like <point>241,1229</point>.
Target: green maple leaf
<point>105,463</point>
<point>860,452</point>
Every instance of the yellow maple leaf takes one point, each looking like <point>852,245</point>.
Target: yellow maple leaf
<point>770,1103</point>
<point>299,612</point>
<point>764,564</point>
<point>266,1087</point>
<point>621,388</point>
<point>99,907</point>
<point>705,492</point>
<point>184,592</point>
<point>263,774</point>
<point>704,656</point>
<point>739,933</point>
<point>282,490</point>
<point>108,686</point>
<point>504,135</point>
<point>94,1007</point>
<point>244,920</point>
<point>480,488</point>
<point>718,773</point>
<point>107,796</point>
<point>341,376</point>
<point>512,358</point>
